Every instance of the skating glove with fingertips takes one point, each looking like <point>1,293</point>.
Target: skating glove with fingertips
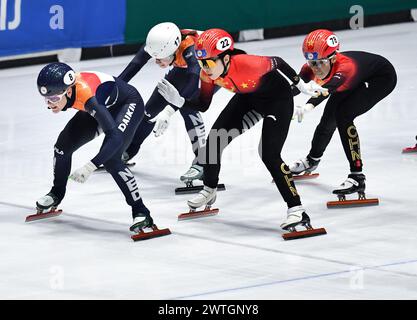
<point>81,174</point>
<point>162,120</point>
<point>170,93</point>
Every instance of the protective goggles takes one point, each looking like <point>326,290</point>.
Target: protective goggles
<point>55,98</point>
<point>318,63</point>
<point>208,63</point>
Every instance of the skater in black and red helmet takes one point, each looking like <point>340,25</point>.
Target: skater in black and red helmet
<point>261,92</point>
<point>356,81</point>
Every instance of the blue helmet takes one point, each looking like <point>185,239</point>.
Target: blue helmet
<point>55,78</point>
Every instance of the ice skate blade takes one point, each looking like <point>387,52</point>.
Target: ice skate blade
<point>305,176</point>
<point>42,216</point>
<point>152,234</point>
<point>196,189</point>
<point>304,234</point>
<point>301,177</point>
<point>198,214</point>
<point>410,150</point>
<point>352,203</point>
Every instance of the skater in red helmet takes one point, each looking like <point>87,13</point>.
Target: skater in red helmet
<point>260,92</point>
<point>356,82</point>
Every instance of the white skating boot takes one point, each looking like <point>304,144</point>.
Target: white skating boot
<point>205,197</point>
<point>46,207</point>
<point>47,203</point>
<point>305,165</point>
<point>194,173</point>
<point>296,216</point>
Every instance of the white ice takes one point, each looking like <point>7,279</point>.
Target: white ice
<point>368,253</point>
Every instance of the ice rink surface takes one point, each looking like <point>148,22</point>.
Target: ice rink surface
<point>369,252</point>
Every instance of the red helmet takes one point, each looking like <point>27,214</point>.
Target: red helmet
<point>320,44</point>
<point>213,42</point>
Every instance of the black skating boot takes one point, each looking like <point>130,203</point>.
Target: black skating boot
<point>47,203</point>
<point>141,222</point>
<point>354,183</point>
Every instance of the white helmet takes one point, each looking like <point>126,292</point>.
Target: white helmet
<point>163,40</point>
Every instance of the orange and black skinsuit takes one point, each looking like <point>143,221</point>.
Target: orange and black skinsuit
<point>106,105</point>
<point>185,77</point>
<point>357,81</point>
<point>260,92</point>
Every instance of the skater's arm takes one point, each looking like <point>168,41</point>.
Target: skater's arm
<point>306,74</point>
<point>113,137</point>
<point>199,103</point>
<point>203,100</point>
<point>311,88</point>
<point>280,64</point>
<point>335,82</point>
<point>189,88</point>
<point>140,59</point>
<point>193,71</point>
<point>191,60</point>
<point>332,85</point>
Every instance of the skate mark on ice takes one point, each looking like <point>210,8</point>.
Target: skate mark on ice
<point>323,275</point>
<point>245,245</point>
<point>67,214</point>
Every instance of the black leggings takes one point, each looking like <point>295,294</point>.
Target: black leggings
<point>275,105</point>
<point>83,128</point>
<point>342,108</point>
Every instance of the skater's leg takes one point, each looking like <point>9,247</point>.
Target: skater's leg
<point>228,126</point>
<point>194,125</point>
<point>127,184</point>
<point>154,105</point>
<point>324,130</point>
<point>277,109</point>
<point>193,120</point>
<point>115,166</point>
<point>274,133</point>
<point>81,129</point>
<point>232,122</point>
<point>181,80</point>
<point>361,100</point>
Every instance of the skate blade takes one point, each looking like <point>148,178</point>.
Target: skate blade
<point>304,234</point>
<point>196,189</point>
<point>352,203</point>
<point>198,214</point>
<point>42,216</point>
<point>305,176</point>
<point>129,164</point>
<point>151,234</point>
<point>410,150</point>
<point>301,177</point>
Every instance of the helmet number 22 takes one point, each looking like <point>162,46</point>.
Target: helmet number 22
<point>224,43</point>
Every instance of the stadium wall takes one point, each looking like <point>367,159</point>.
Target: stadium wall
<point>42,30</point>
